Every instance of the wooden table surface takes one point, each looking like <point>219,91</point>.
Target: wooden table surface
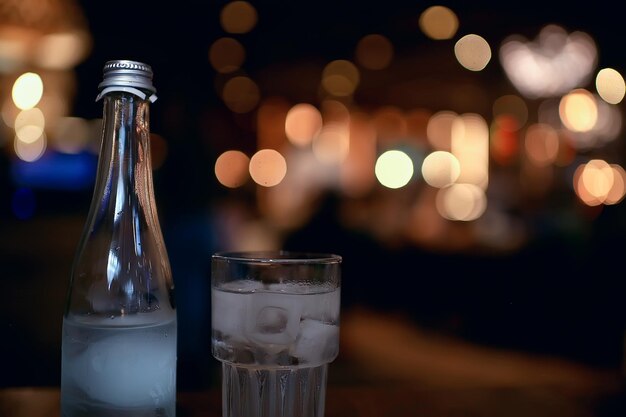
<point>378,401</point>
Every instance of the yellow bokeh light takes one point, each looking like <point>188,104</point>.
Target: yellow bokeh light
<point>267,167</point>
<point>439,22</point>
<point>231,168</point>
<point>238,17</point>
<point>610,85</point>
<point>374,52</point>
<point>27,90</point>
<point>394,169</point>
<point>440,169</point>
<point>473,52</point>
<point>578,110</point>
<point>226,55</point>
<point>302,124</point>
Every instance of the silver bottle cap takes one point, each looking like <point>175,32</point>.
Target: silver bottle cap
<point>126,73</point>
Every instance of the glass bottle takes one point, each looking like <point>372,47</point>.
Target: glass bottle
<point>119,325</point>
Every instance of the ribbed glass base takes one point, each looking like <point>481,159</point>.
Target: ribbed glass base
<point>259,392</point>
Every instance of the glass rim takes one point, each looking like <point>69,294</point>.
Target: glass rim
<point>278,257</point>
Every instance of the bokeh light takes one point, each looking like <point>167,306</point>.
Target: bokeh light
<point>29,125</point>
<point>27,90</point>
<point>231,168</point>
<point>439,130</point>
<point>610,85</point>
<point>470,145</point>
<point>302,124</point>
<point>595,180</point>
<point>511,105</point>
<point>30,151</point>
<point>438,22</point>
<point>241,94</point>
<point>226,55</point>
<point>71,135</point>
<point>332,144</point>
<point>578,110</point>
<point>374,52</point>
<point>541,143</point>
<point>61,51</point>
<point>440,169</point>
<point>473,52</point>
<point>461,202</point>
<point>552,64</point>
<point>238,17</point>
<point>267,167</point>
<point>340,78</point>
<point>394,169</point>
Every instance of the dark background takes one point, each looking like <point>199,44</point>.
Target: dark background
<point>561,294</point>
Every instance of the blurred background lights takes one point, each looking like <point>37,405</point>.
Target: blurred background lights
<point>541,143</point>
<point>440,169</point>
<point>340,77</point>
<point>30,151</point>
<point>552,64</point>
<point>270,122</point>
<point>439,129</point>
<point>226,55</point>
<point>461,202</point>
<point>618,189</point>
<point>241,94</point>
<point>267,167</point>
<point>58,51</point>
<point>27,90</point>
<point>470,145</point>
<point>438,22</point>
<point>598,182</point>
<point>231,168</point>
<point>473,52</point>
<point>302,124</point>
<point>238,17</point>
<point>29,125</point>
<point>610,85</point>
<point>71,135</point>
<point>332,144</point>
<point>390,123</point>
<point>511,105</point>
<point>374,52</point>
<point>578,110</point>
<point>394,169</point>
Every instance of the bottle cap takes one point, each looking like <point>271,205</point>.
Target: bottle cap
<point>130,76</point>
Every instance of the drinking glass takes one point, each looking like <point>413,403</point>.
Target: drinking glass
<point>275,328</point>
